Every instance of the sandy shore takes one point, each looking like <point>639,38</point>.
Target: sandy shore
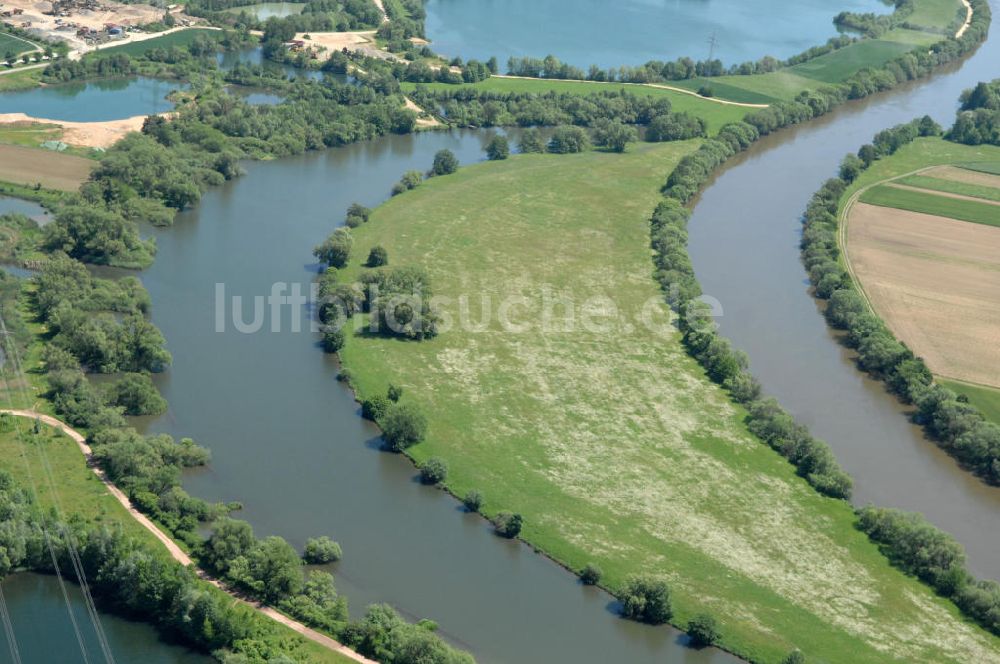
<point>84,134</point>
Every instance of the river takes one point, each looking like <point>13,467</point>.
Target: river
<point>744,244</point>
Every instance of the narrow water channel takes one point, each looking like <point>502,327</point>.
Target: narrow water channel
<point>744,238</point>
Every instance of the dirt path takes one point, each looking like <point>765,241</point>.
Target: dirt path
<point>661,86</point>
<point>175,551</point>
<point>968,19</point>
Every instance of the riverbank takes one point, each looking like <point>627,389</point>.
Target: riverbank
<point>339,652</point>
<point>649,484</point>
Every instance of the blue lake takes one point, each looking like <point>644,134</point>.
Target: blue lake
<point>96,101</point>
<point>631,32</point>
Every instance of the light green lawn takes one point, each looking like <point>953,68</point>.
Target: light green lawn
<point>935,13</point>
<point>983,167</point>
<point>986,399</point>
<point>952,187</point>
<point>714,113</point>
<point>612,443</point>
<point>179,38</point>
<point>932,203</point>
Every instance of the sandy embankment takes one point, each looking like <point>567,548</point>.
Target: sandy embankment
<point>968,19</point>
<point>84,134</point>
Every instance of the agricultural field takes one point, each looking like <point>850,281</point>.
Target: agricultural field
<point>52,170</point>
<point>932,276</point>
<point>933,203</point>
<point>179,38</point>
<point>17,45</point>
<point>962,187</point>
<point>608,438</point>
<point>837,66</point>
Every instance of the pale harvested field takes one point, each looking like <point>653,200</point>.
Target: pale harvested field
<point>52,170</point>
<point>962,175</point>
<point>936,284</point>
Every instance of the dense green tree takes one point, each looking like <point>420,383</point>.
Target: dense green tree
<point>275,569</point>
<point>377,257</point>
<point>676,127</point>
<point>403,426</point>
<point>445,163</point>
<point>321,550</point>
<point>703,630</point>
<point>531,141</point>
<point>567,140</point>
<point>591,574</point>
<point>336,249</point>
<point>615,135</point>
<point>498,148</point>
<point>473,501</point>
<point>433,471</point>
<point>647,599</point>
<point>136,394</point>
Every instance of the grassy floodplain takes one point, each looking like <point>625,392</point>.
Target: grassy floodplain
<point>612,443</point>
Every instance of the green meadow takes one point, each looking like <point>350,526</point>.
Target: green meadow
<point>929,203</point>
<point>952,187</point>
<point>607,437</point>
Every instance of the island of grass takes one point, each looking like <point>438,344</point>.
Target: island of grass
<point>606,436</point>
